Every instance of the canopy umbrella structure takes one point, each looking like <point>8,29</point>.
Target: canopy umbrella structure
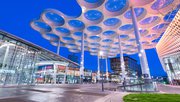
<point>109,26</point>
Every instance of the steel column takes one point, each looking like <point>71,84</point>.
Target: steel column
<point>82,58</point>
<point>98,68</point>
<point>122,60</point>
<point>107,78</point>
<point>58,47</point>
<point>142,54</point>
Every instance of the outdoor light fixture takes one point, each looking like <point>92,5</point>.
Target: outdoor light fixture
<point>101,53</point>
<point>83,9</point>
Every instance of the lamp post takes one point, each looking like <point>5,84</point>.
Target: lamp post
<point>102,81</point>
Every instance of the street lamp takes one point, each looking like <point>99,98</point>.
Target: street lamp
<point>101,55</point>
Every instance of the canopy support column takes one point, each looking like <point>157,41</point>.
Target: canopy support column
<point>98,68</point>
<point>82,58</point>
<point>142,54</point>
<point>107,78</point>
<point>122,60</point>
<point>58,47</point>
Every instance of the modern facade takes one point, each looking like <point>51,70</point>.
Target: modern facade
<point>19,60</point>
<point>132,68</point>
<point>168,50</point>
<point>49,70</point>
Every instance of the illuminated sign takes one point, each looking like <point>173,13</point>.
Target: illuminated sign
<point>43,67</point>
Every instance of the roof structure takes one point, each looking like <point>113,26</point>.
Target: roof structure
<point>103,21</point>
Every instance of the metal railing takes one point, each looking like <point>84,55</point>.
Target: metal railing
<point>142,86</point>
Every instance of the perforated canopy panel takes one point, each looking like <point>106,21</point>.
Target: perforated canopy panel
<point>103,21</point>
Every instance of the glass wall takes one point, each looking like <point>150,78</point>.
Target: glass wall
<point>17,62</point>
<point>172,67</point>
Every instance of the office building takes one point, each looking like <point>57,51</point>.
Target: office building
<point>132,68</point>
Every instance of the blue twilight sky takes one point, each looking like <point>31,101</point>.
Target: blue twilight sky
<point>16,15</point>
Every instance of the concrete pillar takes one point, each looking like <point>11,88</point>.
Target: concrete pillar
<point>141,52</point>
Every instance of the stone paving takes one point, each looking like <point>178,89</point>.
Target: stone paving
<point>70,93</point>
<point>53,93</point>
<point>169,89</point>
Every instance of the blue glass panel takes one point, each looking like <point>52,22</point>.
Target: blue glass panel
<point>92,1</point>
<point>94,28</point>
<point>128,46</point>
<point>76,23</point>
<point>149,20</point>
<point>116,43</point>
<point>132,40</point>
<point>85,42</point>
<point>115,5</point>
<point>109,33</point>
<point>78,33</point>
<point>107,40</point>
<point>155,40</point>
<point>151,35</point>
<point>145,42</point>
<point>54,17</point>
<point>160,26</point>
<point>169,17</point>
<point>126,27</point>
<point>124,36</point>
<point>93,15</point>
<point>94,48</point>
<point>68,38</point>
<point>159,4</point>
<point>111,21</point>
<point>105,46</point>
<point>95,44</point>
<point>53,36</point>
<point>63,30</point>
<point>94,37</point>
<point>42,25</point>
<point>143,31</point>
<point>138,12</point>
<point>71,44</point>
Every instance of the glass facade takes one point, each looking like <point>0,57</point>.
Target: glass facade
<point>172,67</point>
<point>18,60</point>
<point>168,49</point>
<point>132,68</point>
<point>47,72</point>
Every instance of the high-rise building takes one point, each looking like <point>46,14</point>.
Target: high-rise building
<point>168,50</point>
<point>131,66</point>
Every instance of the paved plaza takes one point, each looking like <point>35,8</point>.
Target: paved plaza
<point>69,93</point>
<point>55,93</point>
